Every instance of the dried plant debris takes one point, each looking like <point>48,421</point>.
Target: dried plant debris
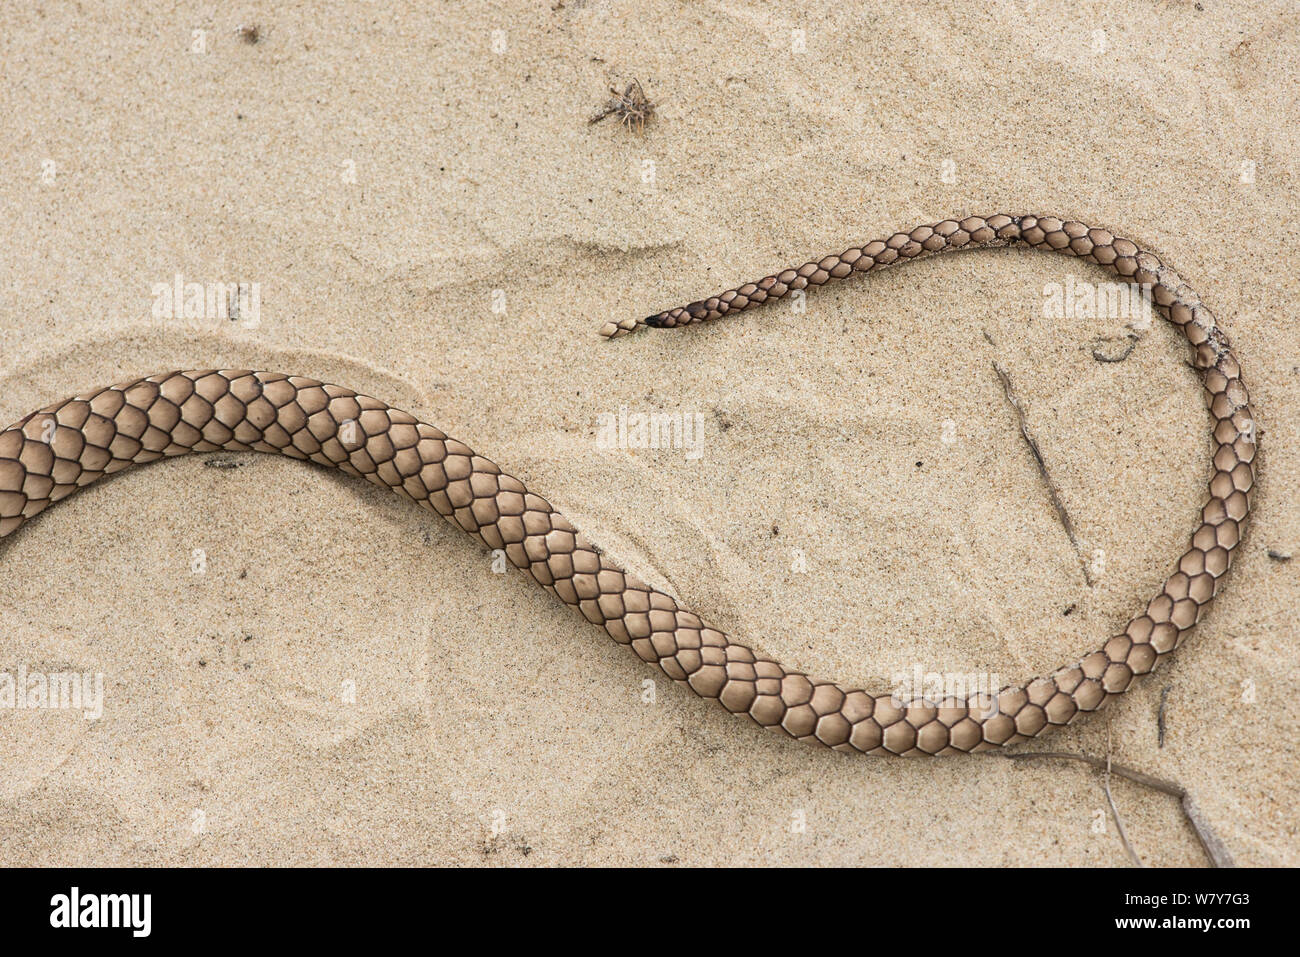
<point>1053,490</point>
<point>1114,349</point>
<point>632,107</point>
<point>1114,813</point>
<point>1211,843</point>
<point>1160,716</point>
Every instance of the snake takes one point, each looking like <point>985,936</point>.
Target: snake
<point>51,453</point>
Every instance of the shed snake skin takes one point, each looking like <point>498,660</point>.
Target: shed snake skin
<point>52,453</point>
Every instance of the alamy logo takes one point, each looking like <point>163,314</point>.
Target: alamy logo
<point>66,690</point>
<point>1097,300</point>
<point>239,302</point>
<point>102,910</point>
<point>934,687</point>
<point>651,430</point>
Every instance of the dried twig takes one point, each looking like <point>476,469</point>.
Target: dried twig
<point>1130,341</point>
<point>632,107</point>
<point>1214,848</point>
<point>1052,490</point>
<point>1114,811</point>
<point>1160,716</point>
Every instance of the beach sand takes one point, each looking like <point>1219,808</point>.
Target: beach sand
<point>299,668</point>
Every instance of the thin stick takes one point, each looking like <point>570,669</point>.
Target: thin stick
<point>1160,716</point>
<point>1214,848</point>
<point>1052,489</point>
<point>1114,811</point>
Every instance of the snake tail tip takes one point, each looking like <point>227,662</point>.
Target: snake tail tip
<point>612,330</point>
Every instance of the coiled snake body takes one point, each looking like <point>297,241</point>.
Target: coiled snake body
<point>51,453</point>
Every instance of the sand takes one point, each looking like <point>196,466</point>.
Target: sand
<point>301,669</point>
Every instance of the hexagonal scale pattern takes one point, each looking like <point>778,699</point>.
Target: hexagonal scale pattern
<point>54,452</point>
